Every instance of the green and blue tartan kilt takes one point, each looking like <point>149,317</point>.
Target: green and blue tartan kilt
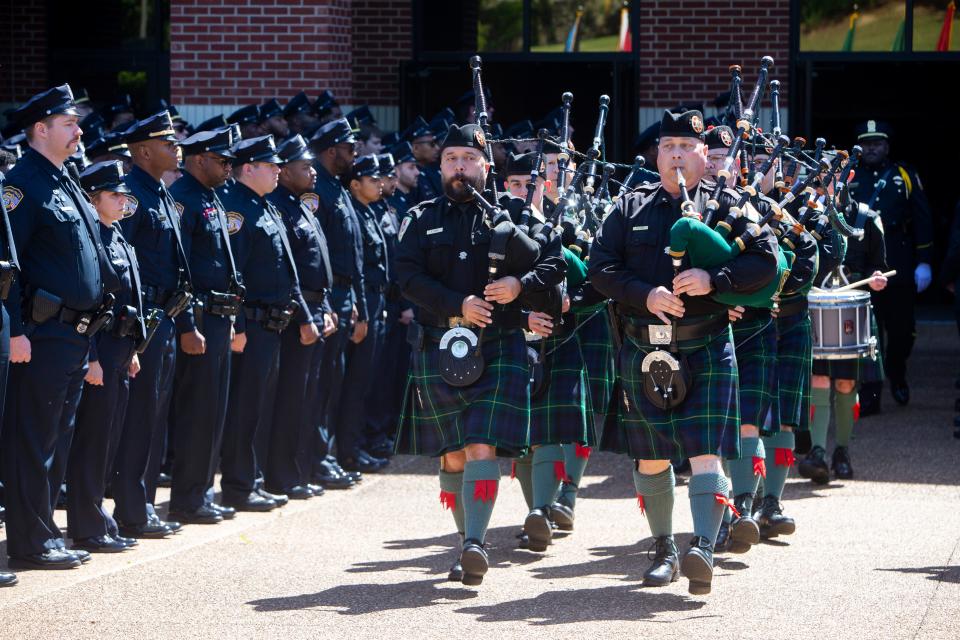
<point>563,414</point>
<point>596,344</point>
<point>755,342</point>
<point>859,369</point>
<point>707,423</point>
<point>794,368</point>
<point>438,418</point>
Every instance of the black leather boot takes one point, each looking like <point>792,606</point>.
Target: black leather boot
<point>562,515</point>
<point>723,537</point>
<point>538,529</point>
<point>665,563</point>
<point>744,530</point>
<point>841,464</point>
<point>697,566</point>
<point>772,521</point>
<point>474,562</point>
<point>814,466</point>
<point>456,571</point>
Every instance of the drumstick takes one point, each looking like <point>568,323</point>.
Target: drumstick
<point>854,285</point>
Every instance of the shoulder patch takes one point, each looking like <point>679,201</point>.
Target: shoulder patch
<point>311,200</point>
<point>130,207</point>
<point>11,198</point>
<point>403,227</point>
<point>416,210</point>
<point>234,222</point>
<point>179,208</point>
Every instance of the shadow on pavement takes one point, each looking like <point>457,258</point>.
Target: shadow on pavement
<point>360,599</point>
<point>937,574</point>
<point>625,603</point>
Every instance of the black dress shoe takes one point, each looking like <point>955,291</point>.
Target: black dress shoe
<point>316,489</point>
<point>723,537</point>
<point>363,465</point>
<point>900,392</point>
<point>253,502</point>
<point>538,530</point>
<point>204,514</point>
<point>330,479</point>
<point>456,571</point>
<point>744,530</point>
<point>298,492</point>
<point>562,516</point>
<point>665,563</point>
<point>49,559</point>
<point>697,566</point>
<point>172,525</point>
<point>164,479</point>
<point>771,520</point>
<point>146,530</point>
<point>841,464</point>
<point>280,498</point>
<point>474,561</point>
<point>366,455</point>
<point>227,513</point>
<point>356,476</point>
<point>814,466</point>
<point>99,544</point>
<point>82,554</point>
<point>7,579</point>
<point>130,542</point>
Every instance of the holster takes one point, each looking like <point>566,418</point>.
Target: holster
<point>152,321</point>
<point>126,323</point>
<point>278,316</point>
<point>178,301</point>
<point>44,306</point>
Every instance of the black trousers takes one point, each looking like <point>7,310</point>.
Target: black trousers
<point>331,372</point>
<point>253,391</point>
<point>385,397</point>
<point>200,411</point>
<point>99,421</point>
<point>894,307</point>
<point>41,407</point>
<point>147,412</point>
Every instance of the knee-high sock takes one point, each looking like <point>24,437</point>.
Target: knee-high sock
<point>706,509</point>
<point>451,496</point>
<point>779,448</point>
<point>481,479</point>
<point>843,404</point>
<point>575,457</point>
<point>523,470</point>
<point>820,400</point>
<point>745,472</point>
<point>655,495</point>
<point>727,513</point>
<point>548,471</point>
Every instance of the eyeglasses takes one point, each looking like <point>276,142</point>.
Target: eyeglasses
<point>223,162</point>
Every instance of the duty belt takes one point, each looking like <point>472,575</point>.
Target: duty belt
<point>314,296</point>
<point>274,317</point>
<point>156,296</point>
<point>219,304</point>
<point>692,329</point>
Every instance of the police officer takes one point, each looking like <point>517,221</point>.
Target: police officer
<point>249,119</point>
<point>9,255</point>
<point>407,175</point>
<point>205,328</point>
<point>333,144</point>
<point>896,193</point>
<point>299,114</point>
<point>54,306</point>
<point>628,263</point>
<point>154,230</point>
<point>113,360</point>
<point>286,469</point>
<point>272,120</point>
<point>363,181</point>
<point>273,301</point>
<point>443,268</point>
<point>423,141</point>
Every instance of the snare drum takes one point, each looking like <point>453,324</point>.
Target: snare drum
<point>842,325</point>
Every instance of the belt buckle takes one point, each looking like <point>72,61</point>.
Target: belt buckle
<point>660,334</point>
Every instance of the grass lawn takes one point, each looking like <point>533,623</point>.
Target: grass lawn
<point>603,43</point>
<point>877,29</point>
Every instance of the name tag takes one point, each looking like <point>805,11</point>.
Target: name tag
<point>430,232</point>
<point>66,207</point>
<point>641,228</point>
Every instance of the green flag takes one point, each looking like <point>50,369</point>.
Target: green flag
<point>848,41</point>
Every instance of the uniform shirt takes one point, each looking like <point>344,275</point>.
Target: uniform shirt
<point>53,226</point>
<point>442,259</point>
<point>628,258</point>
<point>260,248</point>
<point>641,177</point>
<point>868,254</point>
<point>429,183</point>
<point>401,202</point>
<point>309,246</point>
<point>153,228</point>
<point>904,211</point>
<point>123,258</point>
<point>342,229</point>
<point>375,267</point>
<point>203,232</point>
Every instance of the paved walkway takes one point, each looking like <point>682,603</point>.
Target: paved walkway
<point>878,557</point>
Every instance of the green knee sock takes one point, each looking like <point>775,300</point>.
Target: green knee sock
<point>548,471</point>
<point>451,495</point>
<point>820,400</point>
<point>480,481</point>
<point>706,510</point>
<point>655,494</point>
<point>523,470</point>
<point>779,448</point>
<point>745,471</point>
<point>727,514</point>
<point>575,457</point>
<point>843,404</point>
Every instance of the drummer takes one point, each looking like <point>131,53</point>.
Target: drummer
<point>864,256</point>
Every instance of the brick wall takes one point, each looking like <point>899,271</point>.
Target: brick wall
<point>687,46</point>
<point>23,49</point>
<point>382,37</point>
<point>226,52</point>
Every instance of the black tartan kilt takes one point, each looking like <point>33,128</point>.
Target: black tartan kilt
<point>794,368</point>
<point>563,413</point>
<point>707,423</point>
<point>756,346</point>
<point>596,345</point>
<point>438,418</point>
<point>859,369</point>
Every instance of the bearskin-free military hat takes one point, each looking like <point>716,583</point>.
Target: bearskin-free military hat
<point>333,133</point>
<point>874,130</point>
<point>688,124</point>
<point>719,137</point>
<point>259,149</point>
<point>294,148</point>
<point>521,164</point>
<point>55,101</point>
<point>159,126</point>
<point>402,152</point>
<point>218,141</point>
<point>104,176</point>
<point>469,135</point>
